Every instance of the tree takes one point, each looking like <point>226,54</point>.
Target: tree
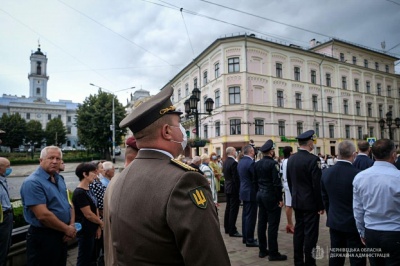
<point>93,121</point>
<point>34,133</point>
<point>55,132</point>
<point>14,126</point>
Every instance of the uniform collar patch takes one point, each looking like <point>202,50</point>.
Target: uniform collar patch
<point>197,195</point>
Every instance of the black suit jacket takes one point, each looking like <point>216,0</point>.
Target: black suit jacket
<point>337,194</point>
<point>232,181</point>
<point>304,179</point>
<point>363,162</point>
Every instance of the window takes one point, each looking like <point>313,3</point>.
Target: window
<point>371,131</point>
<point>68,130</point>
<point>298,100</point>
<point>331,131</point>
<point>186,89</point>
<point>328,79</point>
<point>356,86</point>
<point>346,107</point>
<point>347,131</point>
<point>390,108</point>
<point>359,133</point>
<point>59,116</point>
<point>233,65</point>
<point>358,108</point>
<point>330,107</point>
<point>297,74</point>
<point>179,94</point>
<point>205,131</point>
<point>280,100</point>
<point>38,91</point>
<point>313,77</point>
<point>342,57</point>
<point>217,99</point>
<point>49,117</point>
<point>28,115</point>
<point>369,109</point>
<point>354,60</point>
<point>376,66</point>
<point>195,83</point>
<point>344,83</point>
<point>398,91</point>
<point>217,128</point>
<point>387,68</point>
<point>39,68</point>
<point>299,128</point>
<point>365,62</point>
<point>216,70</point>
<point>259,126</point>
<point>380,111</point>
<point>378,89</point>
<point>315,102</point>
<point>389,91</point>
<point>234,95</point>
<point>278,70</point>
<point>205,80</point>
<point>68,118</point>
<point>235,127</point>
<point>317,129</point>
<point>281,128</point>
<point>368,86</point>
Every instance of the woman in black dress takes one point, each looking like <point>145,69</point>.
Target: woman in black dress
<point>86,213</point>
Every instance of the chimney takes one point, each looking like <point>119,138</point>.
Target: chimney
<point>312,43</point>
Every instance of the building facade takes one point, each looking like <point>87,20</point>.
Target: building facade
<point>37,106</point>
<point>266,90</point>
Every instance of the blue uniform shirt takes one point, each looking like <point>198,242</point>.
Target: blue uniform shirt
<point>4,196</point>
<point>38,189</point>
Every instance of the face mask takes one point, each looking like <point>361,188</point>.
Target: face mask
<point>214,157</point>
<point>184,141</point>
<point>8,172</point>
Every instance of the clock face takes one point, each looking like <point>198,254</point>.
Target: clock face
<point>38,115</point>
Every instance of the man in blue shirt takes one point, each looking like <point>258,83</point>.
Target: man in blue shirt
<point>376,205</point>
<point>46,209</point>
<point>362,160</point>
<point>6,219</point>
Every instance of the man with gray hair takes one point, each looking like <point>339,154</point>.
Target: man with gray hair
<point>196,161</point>
<point>109,172</point>
<point>47,210</point>
<point>337,195</point>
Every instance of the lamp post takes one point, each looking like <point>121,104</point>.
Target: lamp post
<point>191,109</point>
<point>113,116</point>
<point>389,122</point>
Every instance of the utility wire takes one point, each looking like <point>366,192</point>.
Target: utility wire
<point>187,32</point>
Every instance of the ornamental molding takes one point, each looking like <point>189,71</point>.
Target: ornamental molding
<point>316,89</point>
<point>258,79</point>
<point>345,94</point>
<point>257,52</point>
<point>330,91</point>
<point>297,61</point>
<point>234,78</point>
<point>233,50</point>
<point>279,56</point>
<point>298,86</point>
<point>279,82</point>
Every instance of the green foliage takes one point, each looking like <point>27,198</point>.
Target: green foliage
<point>93,121</point>
<point>34,133</point>
<point>55,132</point>
<point>14,126</point>
<point>73,156</point>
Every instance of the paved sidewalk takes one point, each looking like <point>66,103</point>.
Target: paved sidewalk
<point>240,255</point>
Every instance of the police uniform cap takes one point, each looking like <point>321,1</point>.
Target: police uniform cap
<point>150,111</point>
<point>310,134</point>
<point>131,142</point>
<point>269,145</point>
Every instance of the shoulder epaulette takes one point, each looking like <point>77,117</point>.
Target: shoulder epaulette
<point>183,165</point>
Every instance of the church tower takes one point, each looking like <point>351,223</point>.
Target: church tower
<point>38,76</point>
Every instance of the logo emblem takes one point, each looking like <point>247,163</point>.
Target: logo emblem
<point>198,197</point>
<point>318,253</point>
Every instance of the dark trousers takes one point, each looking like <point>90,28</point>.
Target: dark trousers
<point>340,241</point>
<point>269,213</point>
<point>45,246</point>
<point>388,242</point>
<point>5,236</point>
<point>85,250</point>
<point>231,213</point>
<point>249,217</point>
<point>305,236</point>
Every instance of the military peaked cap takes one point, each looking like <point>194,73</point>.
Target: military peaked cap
<point>310,134</point>
<point>269,145</point>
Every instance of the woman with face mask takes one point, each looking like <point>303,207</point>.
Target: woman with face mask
<point>209,174</point>
<point>216,169</point>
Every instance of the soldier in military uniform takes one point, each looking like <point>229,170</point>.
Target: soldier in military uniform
<point>161,210</point>
<point>270,202</point>
<point>304,179</point>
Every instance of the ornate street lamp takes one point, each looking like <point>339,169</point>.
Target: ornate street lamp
<point>191,109</point>
<point>389,122</point>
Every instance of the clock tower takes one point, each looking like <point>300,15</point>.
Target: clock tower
<point>38,76</point>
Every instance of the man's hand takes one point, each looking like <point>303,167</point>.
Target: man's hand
<point>280,204</point>
<point>321,212</point>
<point>70,231</point>
<point>98,233</point>
<point>363,240</point>
<point>67,238</point>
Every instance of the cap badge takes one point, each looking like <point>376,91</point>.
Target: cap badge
<point>198,198</point>
<point>165,110</point>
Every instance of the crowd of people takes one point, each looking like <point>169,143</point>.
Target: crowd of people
<point>163,208</point>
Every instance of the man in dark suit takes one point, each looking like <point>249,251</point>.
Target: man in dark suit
<point>362,160</point>
<point>248,195</point>
<point>232,186</point>
<point>161,210</point>
<point>337,195</point>
<point>304,179</point>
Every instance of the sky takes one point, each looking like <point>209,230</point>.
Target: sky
<point>144,43</point>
